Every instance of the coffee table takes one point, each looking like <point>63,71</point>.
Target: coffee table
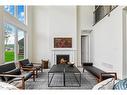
<point>67,72</point>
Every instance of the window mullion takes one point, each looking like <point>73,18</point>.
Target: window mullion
<point>15,11</point>
<point>25,14</point>
<point>24,45</point>
<point>1,35</point>
<point>16,36</point>
<point>16,44</point>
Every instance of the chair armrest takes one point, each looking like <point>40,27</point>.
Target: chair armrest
<point>29,69</point>
<point>108,73</point>
<point>37,63</point>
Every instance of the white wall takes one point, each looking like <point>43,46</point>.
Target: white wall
<point>50,22</point>
<point>85,17</point>
<point>85,22</point>
<point>40,33</point>
<point>107,43</point>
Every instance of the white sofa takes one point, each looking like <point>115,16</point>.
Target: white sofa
<point>6,86</point>
<point>107,84</point>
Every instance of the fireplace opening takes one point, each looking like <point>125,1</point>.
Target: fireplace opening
<point>62,59</point>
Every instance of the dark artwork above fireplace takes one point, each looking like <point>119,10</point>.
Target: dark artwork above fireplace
<point>62,42</point>
<point>62,59</point>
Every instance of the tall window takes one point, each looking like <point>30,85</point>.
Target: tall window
<point>14,34</point>
<point>14,43</point>
<point>20,45</point>
<point>9,43</point>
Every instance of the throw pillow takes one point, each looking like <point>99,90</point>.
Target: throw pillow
<point>106,84</point>
<point>121,85</point>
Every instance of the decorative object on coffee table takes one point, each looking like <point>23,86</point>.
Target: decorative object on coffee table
<point>70,64</point>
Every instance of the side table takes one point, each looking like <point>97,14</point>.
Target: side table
<point>45,63</point>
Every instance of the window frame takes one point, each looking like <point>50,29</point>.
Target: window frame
<point>9,19</point>
<point>16,44</point>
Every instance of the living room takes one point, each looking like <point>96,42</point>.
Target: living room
<point>49,31</point>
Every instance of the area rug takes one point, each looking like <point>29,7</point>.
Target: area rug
<point>87,81</point>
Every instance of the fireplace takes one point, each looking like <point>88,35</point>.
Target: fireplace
<point>62,59</point>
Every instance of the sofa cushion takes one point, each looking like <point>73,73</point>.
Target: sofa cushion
<point>121,85</point>
<point>5,68</point>
<point>87,64</point>
<point>25,62</point>
<point>95,71</point>
<point>29,64</point>
<point>14,72</point>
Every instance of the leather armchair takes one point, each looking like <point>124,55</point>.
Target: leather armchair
<point>10,74</point>
<point>27,66</point>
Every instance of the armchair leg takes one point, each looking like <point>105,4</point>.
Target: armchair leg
<point>41,70</point>
<point>23,83</point>
<point>83,70</point>
<point>34,75</point>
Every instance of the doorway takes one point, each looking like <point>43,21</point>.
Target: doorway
<point>85,50</point>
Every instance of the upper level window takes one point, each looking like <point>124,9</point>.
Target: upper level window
<point>10,9</point>
<point>20,13</point>
<point>16,11</point>
<point>101,11</point>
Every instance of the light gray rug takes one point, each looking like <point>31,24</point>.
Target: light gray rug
<point>87,81</point>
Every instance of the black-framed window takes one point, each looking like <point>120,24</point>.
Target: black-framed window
<point>101,11</point>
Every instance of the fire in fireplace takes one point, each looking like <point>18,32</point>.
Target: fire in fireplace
<point>62,59</point>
